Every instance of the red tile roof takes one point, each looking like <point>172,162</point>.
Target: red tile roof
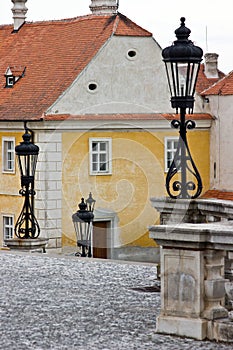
<point>203,82</point>
<point>54,53</point>
<point>216,194</point>
<point>149,116</point>
<point>222,87</point>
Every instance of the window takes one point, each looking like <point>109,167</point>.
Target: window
<point>132,54</point>
<point>8,227</point>
<point>10,80</point>
<point>92,87</point>
<point>171,144</point>
<point>8,155</point>
<point>100,156</point>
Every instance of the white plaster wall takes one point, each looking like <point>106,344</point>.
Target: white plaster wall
<point>137,85</point>
<point>221,144</point>
<point>48,204</point>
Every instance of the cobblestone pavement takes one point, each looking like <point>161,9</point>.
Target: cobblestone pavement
<point>71,303</point>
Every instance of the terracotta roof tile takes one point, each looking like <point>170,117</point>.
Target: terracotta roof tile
<point>126,27</point>
<point>216,194</point>
<point>54,53</point>
<point>203,82</point>
<point>149,116</point>
<point>222,87</point>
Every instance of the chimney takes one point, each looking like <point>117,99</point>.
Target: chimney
<point>104,7</point>
<point>19,11</point>
<point>211,65</point>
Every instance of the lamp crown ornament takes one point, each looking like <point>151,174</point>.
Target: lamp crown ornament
<point>182,33</point>
<point>182,49</point>
<point>27,147</point>
<point>82,205</point>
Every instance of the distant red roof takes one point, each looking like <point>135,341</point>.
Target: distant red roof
<point>216,194</point>
<point>53,53</point>
<point>203,82</point>
<point>222,87</point>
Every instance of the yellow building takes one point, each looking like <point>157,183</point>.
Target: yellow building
<point>93,90</point>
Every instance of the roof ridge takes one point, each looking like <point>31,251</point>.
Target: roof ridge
<point>60,20</point>
<point>125,19</point>
<point>117,20</point>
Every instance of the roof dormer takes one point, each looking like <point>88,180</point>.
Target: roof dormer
<point>13,74</point>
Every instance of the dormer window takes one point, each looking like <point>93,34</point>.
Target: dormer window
<point>10,81</point>
<point>13,74</point>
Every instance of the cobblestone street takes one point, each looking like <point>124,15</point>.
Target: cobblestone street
<point>50,302</point>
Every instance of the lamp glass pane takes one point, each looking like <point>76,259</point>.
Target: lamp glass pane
<point>27,164</point>
<point>194,69</point>
<point>83,232</point>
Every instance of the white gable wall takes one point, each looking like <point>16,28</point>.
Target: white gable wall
<point>124,84</point>
<point>221,107</point>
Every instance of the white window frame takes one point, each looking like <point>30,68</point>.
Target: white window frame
<point>108,153</point>
<point>8,226</point>
<point>166,150</point>
<point>5,153</point>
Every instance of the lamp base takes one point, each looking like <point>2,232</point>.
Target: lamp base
<point>29,244</point>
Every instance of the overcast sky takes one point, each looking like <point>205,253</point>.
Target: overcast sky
<point>210,21</point>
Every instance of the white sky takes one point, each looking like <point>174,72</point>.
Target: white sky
<point>209,20</point>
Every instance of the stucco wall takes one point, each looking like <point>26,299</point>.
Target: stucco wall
<point>137,175</point>
<point>124,84</point>
<point>11,202</point>
<point>221,142</point>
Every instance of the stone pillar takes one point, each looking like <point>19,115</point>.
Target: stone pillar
<point>182,290</point>
<point>214,284</point>
<point>193,269</point>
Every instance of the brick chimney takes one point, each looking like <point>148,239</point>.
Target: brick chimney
<point>211,65</point>
<point>19,11</point>
<point>103,7</point>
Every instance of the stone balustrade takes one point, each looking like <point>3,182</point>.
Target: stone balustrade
<point>196,239</point>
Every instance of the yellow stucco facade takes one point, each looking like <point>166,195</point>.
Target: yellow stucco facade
<point>10,199</point>
<point>138,173</point>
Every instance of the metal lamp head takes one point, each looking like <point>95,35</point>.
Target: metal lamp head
<point>90,202</point>
<point>82,221</point>
<point>182,61</point>
<point>27,154</point>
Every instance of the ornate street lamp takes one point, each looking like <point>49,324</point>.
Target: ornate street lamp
<point>82,220</point>
<point>182,62</point>
<point>27,154</point>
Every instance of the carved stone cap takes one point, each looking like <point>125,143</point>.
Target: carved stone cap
<point>101,7</point>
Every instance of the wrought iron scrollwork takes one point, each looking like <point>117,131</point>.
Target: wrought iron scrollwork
<point>190,184</point>
<point>27,225</point>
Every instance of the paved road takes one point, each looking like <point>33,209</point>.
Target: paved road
<point>71,303</point>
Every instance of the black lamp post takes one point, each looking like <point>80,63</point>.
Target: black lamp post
<point>82,220</point>
<point>182,62</point>
<point>27,154</point>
